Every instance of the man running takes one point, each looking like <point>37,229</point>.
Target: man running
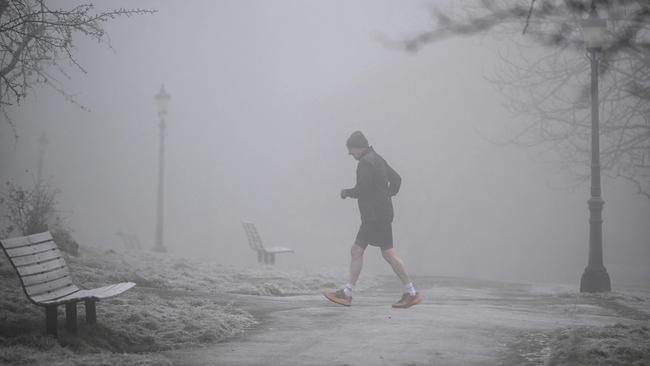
<point>377,182</point>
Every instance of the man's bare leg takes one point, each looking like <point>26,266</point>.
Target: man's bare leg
<point>390,255</point>
<point>411,296</point>
<point>344,296</point>
<point>356,263</point>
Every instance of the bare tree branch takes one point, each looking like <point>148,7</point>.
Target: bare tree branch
<point>36,41</point>
<point>550,91</point>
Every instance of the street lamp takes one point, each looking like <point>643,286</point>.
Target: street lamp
<point>595,277</point>
<point>162,102</point>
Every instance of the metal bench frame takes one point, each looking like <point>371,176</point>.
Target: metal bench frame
<point>46,280</point>
<point>264,255</point>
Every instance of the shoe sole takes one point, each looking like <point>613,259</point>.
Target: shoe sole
<point>330,296</point>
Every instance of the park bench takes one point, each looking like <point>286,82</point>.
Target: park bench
<point>46,280</point>
<point>264,255</point>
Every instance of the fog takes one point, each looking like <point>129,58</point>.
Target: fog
<point>264,96</point>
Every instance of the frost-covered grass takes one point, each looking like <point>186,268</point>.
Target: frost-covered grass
<point>616,345</point>
<point>151,270</point>
<point>623,342</point>
<point>178,302</point>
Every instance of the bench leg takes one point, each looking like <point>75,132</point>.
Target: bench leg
<point>272,258</point>
<point>260,256</point>
<point>91,312</point>
<point>50,319</point>
<point>71,316</point>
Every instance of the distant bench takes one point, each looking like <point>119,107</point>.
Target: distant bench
<point>46,280</point>
<point>264,255</point>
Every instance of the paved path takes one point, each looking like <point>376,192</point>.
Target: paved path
<point>460,322</point>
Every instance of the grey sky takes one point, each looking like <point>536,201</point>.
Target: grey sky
<point>264,94</point>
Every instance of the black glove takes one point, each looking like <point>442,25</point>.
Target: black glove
<point>344,193</point>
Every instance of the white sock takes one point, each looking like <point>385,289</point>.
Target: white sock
<point>410,289</point>
<point>347,290</point>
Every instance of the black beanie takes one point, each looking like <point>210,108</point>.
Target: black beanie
<point>357,139</point>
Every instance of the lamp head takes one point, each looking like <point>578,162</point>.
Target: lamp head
<point>162,100</point>
<point>594,30</point>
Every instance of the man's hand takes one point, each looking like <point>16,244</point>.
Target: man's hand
<point>344,193</point>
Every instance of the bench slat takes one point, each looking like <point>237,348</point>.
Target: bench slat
<point>96,293</point>
<point>52,296</point>
<point>26,240</point>
<point>110,290</point>
<point>42,267</point>
<point>254,239</point>
<point>278,250</point>
<point>51,286</point>
<point>45,277</point>
<point>36,258</point>
<point>31,249</point>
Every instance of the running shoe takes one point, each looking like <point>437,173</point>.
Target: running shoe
<point>408,300</point>
<point>338,297</point>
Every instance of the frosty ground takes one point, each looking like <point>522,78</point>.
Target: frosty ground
<point>194,312</point>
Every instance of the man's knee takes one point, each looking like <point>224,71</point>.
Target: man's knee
<point>356,251</point>
<point>389,254</point>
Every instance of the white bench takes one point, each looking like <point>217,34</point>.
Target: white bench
<point>264,255</point>
<point>46,280</point>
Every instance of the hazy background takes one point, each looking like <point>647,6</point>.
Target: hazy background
<point>264,95</point>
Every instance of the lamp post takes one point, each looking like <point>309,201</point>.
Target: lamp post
<point>162,102</point>
<point>595,277</point>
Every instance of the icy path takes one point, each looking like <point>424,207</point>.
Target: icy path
<point>460,322</point>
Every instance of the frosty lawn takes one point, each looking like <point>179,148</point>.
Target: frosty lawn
<point>193,312</point>
<point>176,303</point>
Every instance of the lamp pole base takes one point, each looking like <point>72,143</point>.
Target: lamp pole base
<point>595,280</point>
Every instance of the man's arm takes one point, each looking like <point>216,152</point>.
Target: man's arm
<point>364,177</point>
<point>394,180</point>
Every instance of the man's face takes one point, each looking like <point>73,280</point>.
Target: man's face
<point>356,152</point>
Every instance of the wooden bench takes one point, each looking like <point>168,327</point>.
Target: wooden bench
<point>46,280</point>
<point>264,255</point>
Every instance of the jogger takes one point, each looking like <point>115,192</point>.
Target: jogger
<point>376,183</point>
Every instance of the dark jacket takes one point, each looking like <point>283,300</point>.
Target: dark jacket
<point>377,182</point>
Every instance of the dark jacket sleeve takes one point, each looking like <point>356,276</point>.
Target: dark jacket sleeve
<point>364,179</point>
<point>394,179</point>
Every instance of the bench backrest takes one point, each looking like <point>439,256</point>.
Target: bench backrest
<point>40,266</point>
<point>254,239</point>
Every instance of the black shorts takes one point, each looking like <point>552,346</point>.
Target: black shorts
<point>375,233</point>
